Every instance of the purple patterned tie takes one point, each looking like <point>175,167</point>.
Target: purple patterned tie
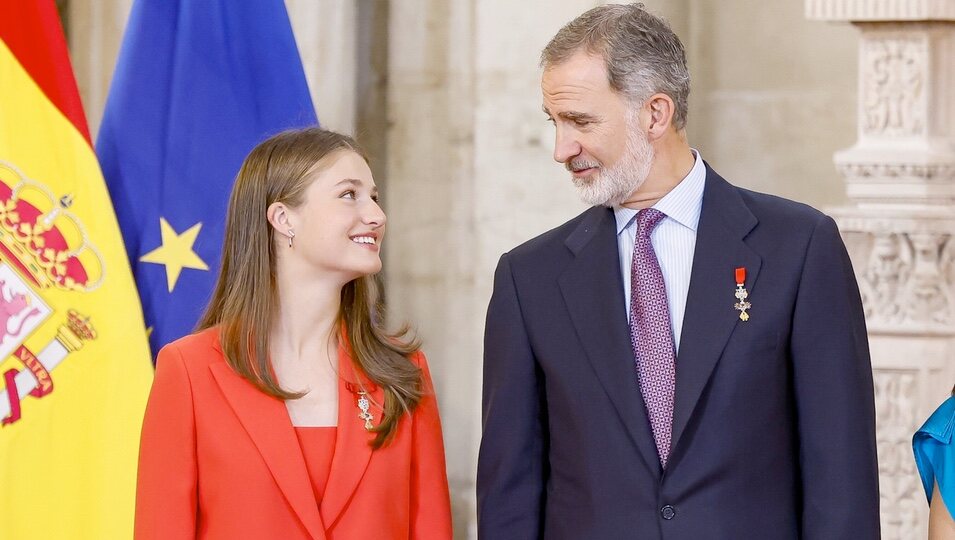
<point>650,333</point>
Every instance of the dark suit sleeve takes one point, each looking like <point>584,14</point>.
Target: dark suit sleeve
<point>511,464</point>
<point>834,397</point>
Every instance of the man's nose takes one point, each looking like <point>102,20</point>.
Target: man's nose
<point>565,146</point>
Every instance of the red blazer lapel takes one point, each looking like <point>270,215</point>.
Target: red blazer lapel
<point>267,422</point>
<point>352,451</point>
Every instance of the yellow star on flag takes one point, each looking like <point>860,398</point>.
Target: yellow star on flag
<point>176,252</point>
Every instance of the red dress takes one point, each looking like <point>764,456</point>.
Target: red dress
<point>318,449</point>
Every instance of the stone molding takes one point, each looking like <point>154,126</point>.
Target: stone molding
<point>891,185</point>
<point>931,172</point>
<point>880,10</point>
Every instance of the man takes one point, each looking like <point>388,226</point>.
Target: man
<point>684,360</point>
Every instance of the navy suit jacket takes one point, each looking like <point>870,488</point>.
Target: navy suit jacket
<point>774,422</point>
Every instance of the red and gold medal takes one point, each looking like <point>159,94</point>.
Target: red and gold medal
<point>741,295</point>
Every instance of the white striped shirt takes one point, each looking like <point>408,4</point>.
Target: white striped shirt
<point>674,240</point>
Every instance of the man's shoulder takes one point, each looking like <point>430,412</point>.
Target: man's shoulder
<point>773,208</point>
<point>780,222</point>
<point>776,215</point>
<point>554,240</point>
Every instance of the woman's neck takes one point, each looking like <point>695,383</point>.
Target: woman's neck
<point>307,317</point>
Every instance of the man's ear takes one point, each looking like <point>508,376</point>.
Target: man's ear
<point>661,110</point>
<point>278,216</point>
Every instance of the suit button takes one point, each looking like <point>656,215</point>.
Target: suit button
<point>668,512</point>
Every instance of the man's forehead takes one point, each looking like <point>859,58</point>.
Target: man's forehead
<point>573,96</point>
<point>563,93</point>
<point>576,78</point>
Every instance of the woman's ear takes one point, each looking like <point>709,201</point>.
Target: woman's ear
<point>279,217</point>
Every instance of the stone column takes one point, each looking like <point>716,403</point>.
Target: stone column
<point>900,222</point>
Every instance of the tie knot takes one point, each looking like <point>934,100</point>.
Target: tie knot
<point>647,220</point>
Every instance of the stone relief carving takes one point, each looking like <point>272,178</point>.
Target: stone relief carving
<point>894,73</point>
<point>885,269</point>
<point>925,297</point>
<point>907,281</point>
<point>900,490</point>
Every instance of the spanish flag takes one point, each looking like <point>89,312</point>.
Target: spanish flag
<point>74,361</point>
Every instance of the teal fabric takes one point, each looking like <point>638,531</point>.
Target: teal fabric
<point>935,453</point>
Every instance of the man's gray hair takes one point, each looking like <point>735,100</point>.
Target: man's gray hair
<point>642,54</point>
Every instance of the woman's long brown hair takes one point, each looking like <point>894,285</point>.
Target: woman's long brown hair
<point>244,302</point>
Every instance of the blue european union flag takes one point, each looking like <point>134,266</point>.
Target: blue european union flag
<point>197,85</point>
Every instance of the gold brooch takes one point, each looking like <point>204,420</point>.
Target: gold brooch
<point>364,406</point>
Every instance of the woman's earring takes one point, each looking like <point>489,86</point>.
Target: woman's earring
<point>291,236</point>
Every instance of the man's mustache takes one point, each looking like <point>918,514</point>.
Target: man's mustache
<point>576,165</point>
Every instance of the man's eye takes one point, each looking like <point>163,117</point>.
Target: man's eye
<point>581,123</point>
<point>551,120</point>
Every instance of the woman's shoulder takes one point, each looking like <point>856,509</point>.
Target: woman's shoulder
<point>199,348</point>
<point>940,424</point>
<point>935,453</point>
<point>418,358</point>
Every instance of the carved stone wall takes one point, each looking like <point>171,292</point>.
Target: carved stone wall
<point>906,273</point>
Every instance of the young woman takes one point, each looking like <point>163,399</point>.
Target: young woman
<point>935,457</point>
<point>292,413</point>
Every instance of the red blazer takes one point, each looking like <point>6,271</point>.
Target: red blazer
<point>220,459</point>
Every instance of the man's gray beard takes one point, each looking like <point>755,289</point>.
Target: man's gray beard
<point>612,186</point>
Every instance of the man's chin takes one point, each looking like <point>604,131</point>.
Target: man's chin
<point>594,194</point>
<point>592,197</point>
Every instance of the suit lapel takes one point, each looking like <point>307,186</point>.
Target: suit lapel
<point>266,421</point>
<point>352,451</point>
<point>592,288</point>
<point>710,316</point>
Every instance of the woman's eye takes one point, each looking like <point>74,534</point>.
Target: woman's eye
<point>350,194</point>
<point>375,198</point>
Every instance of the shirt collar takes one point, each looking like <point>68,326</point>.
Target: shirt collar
<point>682,203</point>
